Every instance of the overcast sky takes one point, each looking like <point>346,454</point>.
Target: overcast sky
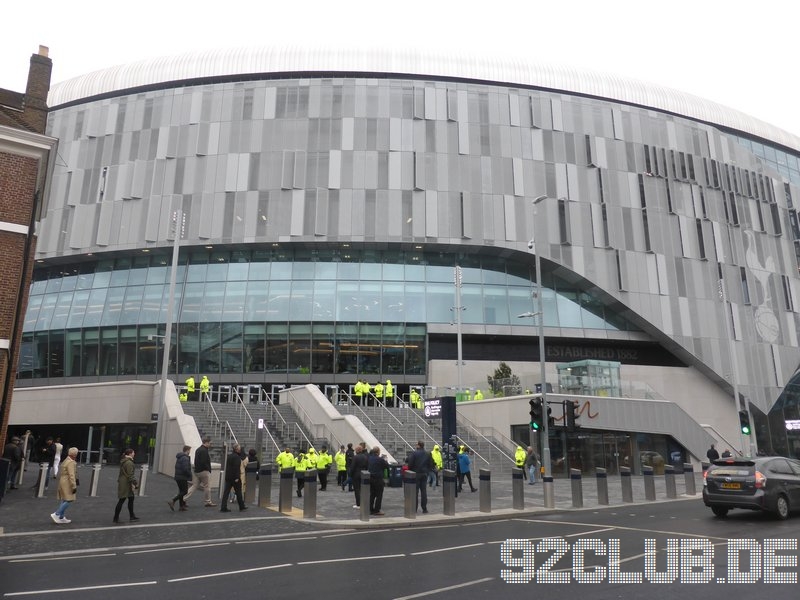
<point>740,53</point>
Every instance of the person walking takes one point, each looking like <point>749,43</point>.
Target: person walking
<point>126,485</point>
<point>464,470</point>
<point>340,458</point>
<point>712,454</point>
<point>324,461</point>
<point>67,487</point>
<point>183,475</point>
<point>421,463</point>
<point>233,479</point>
<point>13,453</point>
<point>205,388</point>
<point>202,473</point>
<point>519,460</point>
<point>436,465</point>
<point>190,392</point>
<point>57,456</point>
<point>285,460</point>
<point>360,463</point>
<point>348,454</point>
<point>531,464</point>
<point>376,465</point>
<point>47,454</point>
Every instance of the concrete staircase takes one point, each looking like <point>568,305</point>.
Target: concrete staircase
<point>398,429</point>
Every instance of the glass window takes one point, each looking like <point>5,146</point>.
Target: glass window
<point>324,308</point>
<point>322,343</point>
<point>393,303</point>
<point>154,304</point>
<point>472,303</point>
<point>254,355</point>
<point>209,352</point>
<point>150,349</point>
<point>235,292</point>
<point>94,309</point>
<point>101,279</point>
<point>113,306</point>
<point>232,348</point>
<point>281,270</point>
<point>277,348</point>
<point>72,356</point>
<point>279,300</point>
<point>137,277</point>
<point>299,348</point>
<point>32,313</point>
<point>259,271</point>
<point>217,271</point>
<point>369,349</point>
<point>369,296</point>
<point>238,271</point>
<point>414,307</point>
<point>196,273</point>
<point>46,311</point>
<point>213,301</point>
<point>256,303</point>
<point>192,302</point>
<point>300,308</point>
<point>188,346</point>
<point>569,313</point>
<point>61,310</point>
<point>439,299</point>
<point>415,350</point>
<point>127,350</point>
<point>132,305</point>
<point>495,310</point>
<point>55,354</point>
<point>119,278</point>
<point>108,351</point>
<point>303,270</point>
<point>68,283</point>
<point>157,275</point>
<point>393,349</point>
<point>53,285</point>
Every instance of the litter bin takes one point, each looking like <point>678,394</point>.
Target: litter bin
<point>395,476</point>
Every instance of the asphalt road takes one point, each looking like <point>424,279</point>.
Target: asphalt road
<point>689,549</point>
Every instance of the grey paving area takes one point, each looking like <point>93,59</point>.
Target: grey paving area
<point>26,525</point>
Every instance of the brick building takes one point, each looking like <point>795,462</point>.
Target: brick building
<point>26,157</point>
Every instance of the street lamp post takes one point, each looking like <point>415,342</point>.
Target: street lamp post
<point>161,423</point>
<point>547,480</point>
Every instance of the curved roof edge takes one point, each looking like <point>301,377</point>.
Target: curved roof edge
<point>298,59</point>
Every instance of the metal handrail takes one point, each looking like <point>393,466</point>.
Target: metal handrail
<point>325,429</point>
<point>230,431</point>
<point>272,409</point>
<point>464,442</point>
<point>351,402</point>
<point>390,413</point>
<point>399,435</point>
<point>252,428</point>
<point>472,426</point>
<point>425,432</point>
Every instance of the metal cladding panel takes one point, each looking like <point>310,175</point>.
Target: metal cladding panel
<point>329,59</point>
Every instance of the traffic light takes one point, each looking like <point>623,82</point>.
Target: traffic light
<point>571,416</point>
<point>744,422</point>
<point>536,414</point>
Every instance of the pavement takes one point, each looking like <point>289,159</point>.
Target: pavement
<point>25,524</point>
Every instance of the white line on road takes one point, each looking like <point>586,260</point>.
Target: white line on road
<point>282,541</point>
<point>190,547</point>
<point>444,589</point>
<point>622,527</point>
<point>445,549</point>
<point>81,589</point>
<point>49,558</point>
<point>335,560</point>
<point>224,573</point>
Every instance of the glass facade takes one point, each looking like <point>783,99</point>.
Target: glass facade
<point>281,312</point>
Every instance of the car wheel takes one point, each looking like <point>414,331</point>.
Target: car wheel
<point>782,507</point>
<point>719,511</point>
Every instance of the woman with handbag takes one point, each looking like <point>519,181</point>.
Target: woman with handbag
<point>126,485</point>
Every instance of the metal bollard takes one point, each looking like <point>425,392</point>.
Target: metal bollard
<point>627,486</point>
<point>410,494</point>
<point>264,486</point>
<point>40,483</point>
<point>649,483</point>
<point>485,490</point>
<point>221,486</point>
<point>549,491</point>
<point>95,481</point>
<point>23,466</point>
<point>602,486</point>
<point>448,492</point>
<point>285,490</point>
<point>669,480</point>
<point>143,479</point>
<point>576,481</point>
<point>518,499</point>
<point>365,485</point>
<point>688,476</point>
<point>310,494</point>
<point>250,487</point>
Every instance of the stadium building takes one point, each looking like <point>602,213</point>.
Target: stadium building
<point>328,197</point>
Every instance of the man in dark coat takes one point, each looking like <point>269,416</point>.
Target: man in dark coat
<point>233,479</point>
<point>376,465</point>
<point>359,464</point>
<point>712,454</point>
<point>13,453</point>
<point>48,455</point>
<point>183,475</point>
<point>420,462</point>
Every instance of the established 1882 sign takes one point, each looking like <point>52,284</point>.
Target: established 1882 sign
<point>433,407</point>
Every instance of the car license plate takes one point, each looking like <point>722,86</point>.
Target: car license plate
<point>731,486</point>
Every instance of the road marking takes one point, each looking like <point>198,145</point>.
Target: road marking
<point>447,549</point>
<point>19,560</point>
<point>621,527</point>
<point>81,589</point>
<point>444,589</point>
<point>359,532</point>
<point>335,560</point>
<point>273,541</point>
<point>224,573</point>
<point>190,547</point>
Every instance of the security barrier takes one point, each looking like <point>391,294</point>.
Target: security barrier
<point>410,494</point>
<point>285,490</point>
<point>518,499</point>
<point>549,491</point>
<point>42,481</point>
<point>602,486</point>
<point>364,514</point>
<point>95,481</point>
<point>485,490</point>
<point>669,481</point>
<point>627,487</point>
<point>688,476</point>
<point>449,492</point>
<point>649,483</point>
<point>576,482</point>
<point>310,495</point>
<point>264,486</point>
